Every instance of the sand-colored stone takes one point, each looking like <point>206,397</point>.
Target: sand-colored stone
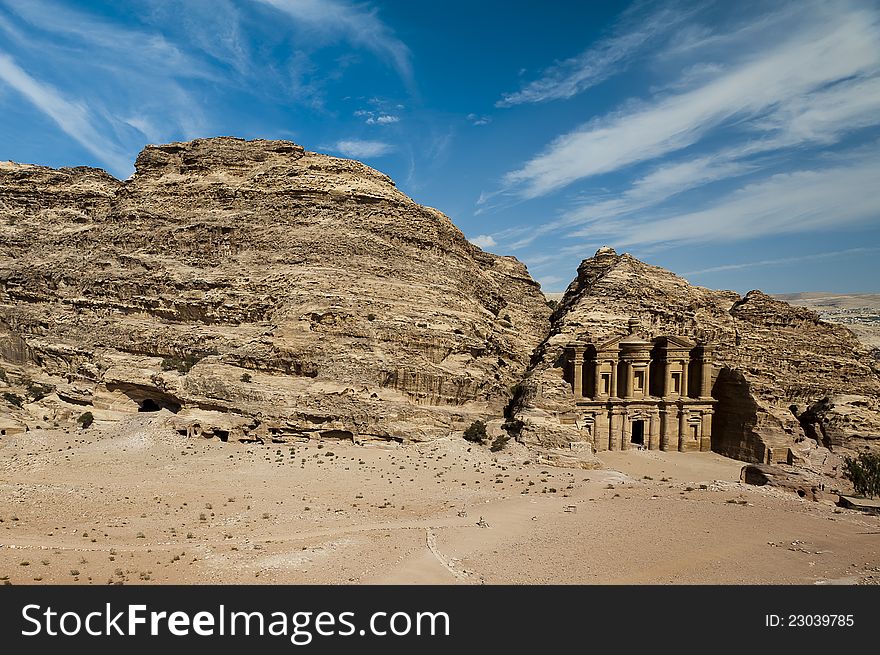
<point>772,363</point>
<point>257,279</point>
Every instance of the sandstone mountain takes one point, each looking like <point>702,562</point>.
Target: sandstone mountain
<point>782,375</point>
<point>252,287</point>
<point>257,290</point>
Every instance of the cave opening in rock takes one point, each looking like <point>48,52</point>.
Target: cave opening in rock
<point>149,405</point>
<point>154,405</point>
<point>223,435</point>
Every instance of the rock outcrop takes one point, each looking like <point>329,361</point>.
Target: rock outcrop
<point>303,293</point>
<point>259,291</point>
<point>775,364</point>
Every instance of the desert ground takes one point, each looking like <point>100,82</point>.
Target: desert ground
<point>135,503</point>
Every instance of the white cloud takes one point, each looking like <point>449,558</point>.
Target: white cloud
<point>356,23</point>
<point>799,201</point>
<point>377,118</point>
<point>483,241</point>
<point>599,62</point>
<point>74,118</point>
<point>122,85</point>
<point>477,120</point>
<point>655,187</point>
<point>358,149</point>
<point>835,46</point>
<point>115,46</point>
<point>782,261</point>
<point>549,282</point>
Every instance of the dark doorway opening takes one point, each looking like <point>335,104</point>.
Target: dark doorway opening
<point>638,433</point>
<point>149,405</point>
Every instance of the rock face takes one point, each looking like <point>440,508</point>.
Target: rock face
<point>774,363</point>
<point>303,293</point>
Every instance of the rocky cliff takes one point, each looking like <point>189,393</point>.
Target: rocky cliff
<point>781,374</point>
<point>252,286</point>
<point>257,290</point>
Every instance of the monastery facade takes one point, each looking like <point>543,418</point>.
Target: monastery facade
<point>633,393</point>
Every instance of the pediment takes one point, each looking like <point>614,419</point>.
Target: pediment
<point>679,342</point>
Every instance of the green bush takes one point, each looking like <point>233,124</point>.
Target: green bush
<point>245,377</point>
<point>499,442</point>
<point>13,399</point>
<point>476,432</point>
<point>181,365</point>
<point>38,391</point>
<point>864,473</point>
<point>86,419</point>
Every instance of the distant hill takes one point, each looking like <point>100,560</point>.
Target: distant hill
<point>860,312</point>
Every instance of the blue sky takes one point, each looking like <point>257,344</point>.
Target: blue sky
<point>733,143</point>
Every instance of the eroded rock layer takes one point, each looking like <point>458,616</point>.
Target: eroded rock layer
<point>776,366</point>
<point>302,293</point>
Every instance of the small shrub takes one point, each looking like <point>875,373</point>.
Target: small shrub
<point>476,432</point>
<point>181,365</point>
<point>371,317</point>
<point>499,443</point>
<point>864,473</point>
<point>13,399</point>
<point>553,304</point>
<point>245,377</point>
<point>85,420</point>
<point>38,391</point>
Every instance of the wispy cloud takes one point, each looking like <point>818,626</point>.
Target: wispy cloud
<point>798,201</point>
<point>568,78</point>
<point>483,241</point>
<point>362,149</point>
<point>74,118</point>
<point>833,47</point>
<point>359,24</point>
<point>377,118</point>
<point>108,87</point>
<point>782,261</point>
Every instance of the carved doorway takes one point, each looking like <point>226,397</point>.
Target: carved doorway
<point>638,433</point>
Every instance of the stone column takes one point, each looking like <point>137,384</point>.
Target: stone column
<point>626,432</point>
<point>706,374</point>
<point>578,380</point>
<point>654,433</point>
<point>647,389</point>
<point>682,428</point>
<point>706,436</point>
<point>667,378</point>
<point>628,379</point>
<point>600,430</point>
<point>597,378</point>
<point>615,430</point>
<point>613,391</point>
<point>664,429</point>
<point>684,377</point>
